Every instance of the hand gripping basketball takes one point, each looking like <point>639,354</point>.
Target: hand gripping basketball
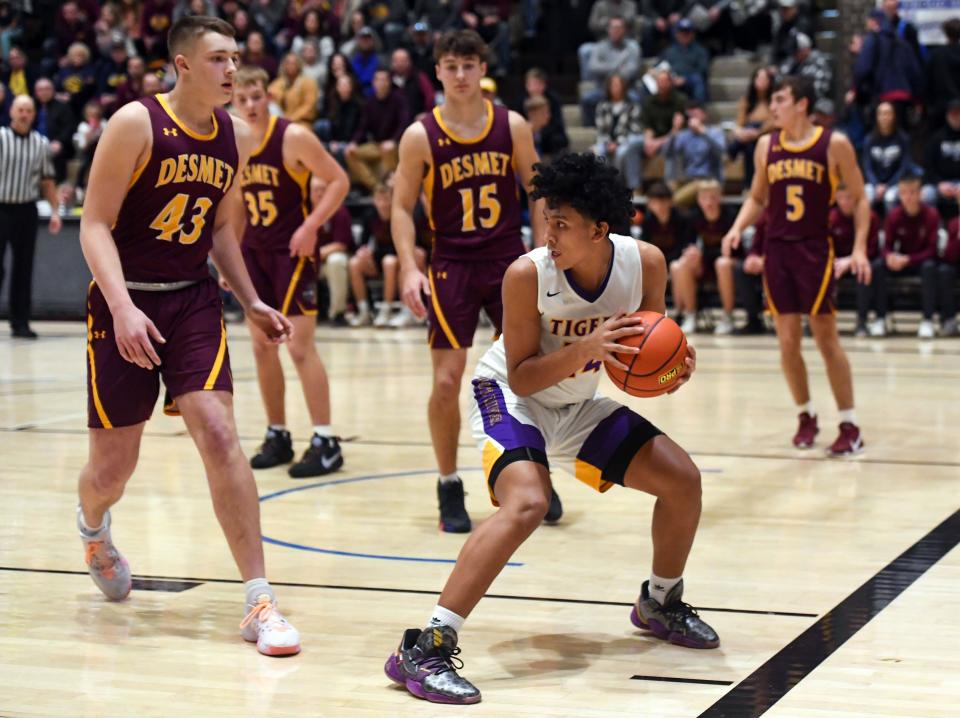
<point>659,360</point>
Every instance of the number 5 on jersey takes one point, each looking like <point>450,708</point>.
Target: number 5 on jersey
<point>170,219</point>
<point>795,202</point>
<point>488,202</point>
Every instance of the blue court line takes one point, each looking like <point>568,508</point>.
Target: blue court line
<point>354,554</point>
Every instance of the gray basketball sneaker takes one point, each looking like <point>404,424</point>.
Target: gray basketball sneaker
<point>674,621</point>
<point>107,567</point>
<point>426,664</point>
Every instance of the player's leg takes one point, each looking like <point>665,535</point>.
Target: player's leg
<point>443,415</point>
<point>824,328</point>
<point>277,446</point>
<point>362,267</point>
<point>789,336</point>
<point>684,273</point>
<point>404,317</point>
<point>323,456</point>
<point>661,468</point>
<point>723,266</point>
<point>209,418</point>
<point>518,478</point>
<point>112,459</point>
<point>336,273</point>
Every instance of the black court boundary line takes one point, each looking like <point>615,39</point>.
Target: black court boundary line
<point>413,591</point>
<point>759,691</point>
<point>359,441</point>
<point>669,679</point>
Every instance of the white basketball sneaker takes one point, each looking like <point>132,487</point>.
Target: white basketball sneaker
<point>266,626</point>
<point>107,566</point>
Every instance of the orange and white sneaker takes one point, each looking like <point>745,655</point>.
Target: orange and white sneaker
<point>107,566</point>
<point>266,626</point>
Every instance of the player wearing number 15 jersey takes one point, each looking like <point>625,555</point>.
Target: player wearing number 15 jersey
<point>163,190</point>
<point>798,166</point>
<point>467,157</point>
<point>279,248</point>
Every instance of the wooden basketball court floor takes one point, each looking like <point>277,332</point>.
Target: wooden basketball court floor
<point>834,584</point>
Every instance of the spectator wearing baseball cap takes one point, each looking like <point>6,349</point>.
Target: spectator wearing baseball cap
<point>689,61</point>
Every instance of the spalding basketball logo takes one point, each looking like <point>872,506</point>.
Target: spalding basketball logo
<point>670,375</point>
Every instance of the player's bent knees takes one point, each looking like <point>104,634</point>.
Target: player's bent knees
<point>528,509</point>
<point>218,440</point>
<point>446,384</point>
<point>723,264</point>
<point>110,478</point>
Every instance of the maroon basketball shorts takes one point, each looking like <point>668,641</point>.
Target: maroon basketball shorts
<point>283,282</point>
<point>194,357</point>
<point>458,291</point>
<point>798,276</point>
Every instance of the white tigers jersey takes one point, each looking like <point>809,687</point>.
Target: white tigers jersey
<point>569,313</point>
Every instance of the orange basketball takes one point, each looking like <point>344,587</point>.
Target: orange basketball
<point>660,362</point>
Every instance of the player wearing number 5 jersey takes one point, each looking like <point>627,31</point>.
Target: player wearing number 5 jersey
<point>163,189</point>
<point>798,168</point>
<point>467,157</point>
<point>279,249</point>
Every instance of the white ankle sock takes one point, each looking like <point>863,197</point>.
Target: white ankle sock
<point>363,307</point>
<point>659,587</point>
<point>443,617</point>
<point>808,407</point>
<point>449,478</point>
<point>257,587</point>
<point>848,415</point>
<point>277,427</point>
<point>322,430</point>
<point>89,531</point>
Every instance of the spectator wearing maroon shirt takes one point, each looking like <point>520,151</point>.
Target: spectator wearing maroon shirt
<point>373,151</point>
<point>334,247</point>
<point>840,226</point>
<point>748,278</point>
<point>910,248</point>
<point>132,87</point>
<point>155,21</point>
<point>947,280</point>
<point>663,226</point>
<point>73,26</point>
<point>256,53</point>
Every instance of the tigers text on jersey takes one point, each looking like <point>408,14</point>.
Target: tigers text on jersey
<point>164,229</point>
<point>473,199</point>
<point>568,313</point>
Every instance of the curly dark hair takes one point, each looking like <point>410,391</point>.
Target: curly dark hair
<point>589,185</point>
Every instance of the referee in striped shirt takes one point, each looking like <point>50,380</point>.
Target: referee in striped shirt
<point>26,170</point>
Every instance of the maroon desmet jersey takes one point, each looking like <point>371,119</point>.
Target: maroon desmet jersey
<point>843,232</point>
<point>473,198</point>
<point>164,230</point>
<point>801,187</point>
<point>275,195</point>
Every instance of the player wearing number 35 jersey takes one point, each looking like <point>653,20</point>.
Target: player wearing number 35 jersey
<point>163,189</point>
<point>798,166</point>
<point>468,158</point>
<point>279,248</point>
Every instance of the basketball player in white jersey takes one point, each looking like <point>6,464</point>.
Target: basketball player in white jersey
<point>535,393</point>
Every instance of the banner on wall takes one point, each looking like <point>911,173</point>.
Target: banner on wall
<point>928,16</point>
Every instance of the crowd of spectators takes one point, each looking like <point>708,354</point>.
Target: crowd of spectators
<point>358,72</point>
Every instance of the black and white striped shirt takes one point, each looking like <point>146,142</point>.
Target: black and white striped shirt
<point>24,161</point>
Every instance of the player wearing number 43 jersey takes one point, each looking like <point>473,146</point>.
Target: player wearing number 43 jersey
<point>798,168</point>
<point>467,157</point>
<point>279,248</point>
<point>163,189</point>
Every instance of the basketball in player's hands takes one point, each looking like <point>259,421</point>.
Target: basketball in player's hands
<point>660,362</point>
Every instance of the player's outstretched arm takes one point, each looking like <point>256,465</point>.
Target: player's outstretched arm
<point>527,371</point>
<point>414,157</point>
<point>844,158</point>
<point>526,157</point>
<point>756,201</point>
<point>123,148</point>
<point>307,150</point>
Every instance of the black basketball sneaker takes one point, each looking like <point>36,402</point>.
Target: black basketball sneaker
<point>323,456</point>
<point>426,664</point>
<point>276,449</point>
<point>555,510</point>
<point>454,518</point>
<point>674,620</point>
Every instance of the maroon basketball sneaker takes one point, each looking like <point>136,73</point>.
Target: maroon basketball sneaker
<point>806,432</point>
<point>849,441</point>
